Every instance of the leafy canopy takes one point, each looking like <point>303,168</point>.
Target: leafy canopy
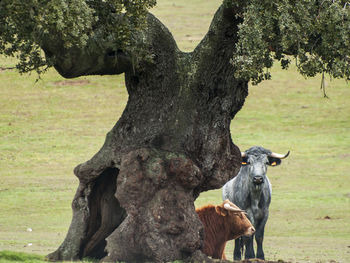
<point>315,32</point>
<point>24,25</point>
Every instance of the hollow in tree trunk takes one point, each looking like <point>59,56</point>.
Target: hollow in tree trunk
<point>135,200</point>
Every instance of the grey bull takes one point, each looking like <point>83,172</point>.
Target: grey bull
<point>251,191</point>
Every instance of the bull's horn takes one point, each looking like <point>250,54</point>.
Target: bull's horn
<point>243,154</point>
<point>279,156</point>
<point>233,209</point>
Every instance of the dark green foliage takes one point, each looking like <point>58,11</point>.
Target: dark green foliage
<point>24,25</point>
<point>316,33</point>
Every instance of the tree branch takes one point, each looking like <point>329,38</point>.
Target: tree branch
<point>101,56</point>
<point>94,59</point>
<point>222,33</point>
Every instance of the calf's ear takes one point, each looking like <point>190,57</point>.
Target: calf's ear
<point>220,210</point>
<point>274,161</point>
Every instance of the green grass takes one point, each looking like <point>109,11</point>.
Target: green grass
<point>50,126</point>
<point>9,257</point>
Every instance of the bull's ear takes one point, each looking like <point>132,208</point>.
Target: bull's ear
<point>245,161</point>
<point>274,161</point>
<point>220,210</point>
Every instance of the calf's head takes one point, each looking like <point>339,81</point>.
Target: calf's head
<point>255,161</point>
<point>235,220</point>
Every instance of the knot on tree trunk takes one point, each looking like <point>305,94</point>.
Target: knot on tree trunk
<point>154,188</point>
<point>186,172</point>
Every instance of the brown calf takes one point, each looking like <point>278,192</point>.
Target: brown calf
<point>222,223</point>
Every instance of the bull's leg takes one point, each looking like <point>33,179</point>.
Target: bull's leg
<point>249,247</point>
<point>238,248</point>
<point>259,237</point>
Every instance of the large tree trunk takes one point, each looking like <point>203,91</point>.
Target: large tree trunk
<point>135,200</point>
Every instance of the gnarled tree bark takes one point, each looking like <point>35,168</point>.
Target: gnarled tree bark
<point>135,200</point>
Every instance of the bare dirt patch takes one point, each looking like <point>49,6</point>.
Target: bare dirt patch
<point>72,82</point>
<point>344,156</point>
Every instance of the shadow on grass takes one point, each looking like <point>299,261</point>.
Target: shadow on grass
<point>11,257</point>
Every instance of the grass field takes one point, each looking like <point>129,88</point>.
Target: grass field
<point>50,126</point>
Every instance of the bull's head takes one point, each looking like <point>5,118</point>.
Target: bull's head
<point>235,220</point>
<point>255,161</point>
